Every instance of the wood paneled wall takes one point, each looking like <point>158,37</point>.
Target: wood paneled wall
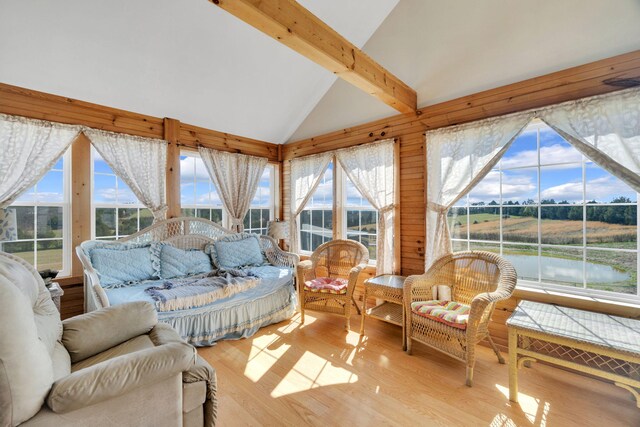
<point>38,105</point>
<point>586,80</point>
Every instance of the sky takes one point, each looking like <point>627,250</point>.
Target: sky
<point>560,174</point>
<point>560,179</point>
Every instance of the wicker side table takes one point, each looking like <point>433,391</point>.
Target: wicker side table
<point>388,288</point>
<point>597,344</point>
<point>56,293</point>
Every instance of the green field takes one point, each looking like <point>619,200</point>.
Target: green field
<point>485,226</point>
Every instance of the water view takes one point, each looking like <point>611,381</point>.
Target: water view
<point>560,270</point>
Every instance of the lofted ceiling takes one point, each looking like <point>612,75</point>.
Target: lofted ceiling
<point>195,62</point>
<point>448,49</point>
<point>185,59</point>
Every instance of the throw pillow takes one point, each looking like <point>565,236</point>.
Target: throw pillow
<point>175,262</point>
<point>236,250</point>
<point>119,264</point>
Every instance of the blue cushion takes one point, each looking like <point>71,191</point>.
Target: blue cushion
<point>237,250</point>
<point>175,262</point>
<point>122,263</point>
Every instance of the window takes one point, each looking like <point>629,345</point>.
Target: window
<point>316,219</point>
<point>358,220</point>
<point>198,194</point>
<point>563,221</point>
<point>262,204</point>
<point>117,211</point>
<point>361,222</point>
<point>42,215</point>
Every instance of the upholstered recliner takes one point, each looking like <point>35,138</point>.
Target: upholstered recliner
<point>115,366</point>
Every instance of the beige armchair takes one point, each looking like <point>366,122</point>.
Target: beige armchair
<point>115,366</point>
<point>327,280</point>
<point>477,281</point>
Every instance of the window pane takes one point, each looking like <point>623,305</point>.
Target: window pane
<point>523,152</point>
<point>105,222</point>
<point>125,195</point>
<point>524,259</point>
<point>612,226</point>
<point>50,255</point>
<point>554,149</point>
<point>484,223</point>
<point>612,271</point>
<point>557,228</point>
<point>50,189</point>
<point>457,218</point>
<point>104,189</point>
<point>203,213</point>
<point>520,185</point>
<point>353,220</point>
<point>487,191</point>
<point>520,224</point>
<point>25,223</point>
<point>188,212</point>
<point>127,221</point>
<point>602,187</point>
<point>459,245</point>
<point>146,218</point>
<point>561,185</point>
<point>216,216</point>
<point>562,266</point>
<point>49,222</point>
<point>23,250</point>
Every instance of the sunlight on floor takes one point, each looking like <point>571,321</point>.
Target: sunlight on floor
<point>530,407</point>
<point>312,371</point>
<point>262,357</point>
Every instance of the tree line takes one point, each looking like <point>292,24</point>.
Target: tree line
<point>622,215</point>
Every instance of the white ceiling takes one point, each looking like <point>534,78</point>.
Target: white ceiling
<point>183,59</point>
<point>448,49</point>
<point>194,62</point>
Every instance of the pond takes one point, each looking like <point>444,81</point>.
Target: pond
<point>564,270</point>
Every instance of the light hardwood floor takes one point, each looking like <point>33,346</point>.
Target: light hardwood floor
<point>318,374</point>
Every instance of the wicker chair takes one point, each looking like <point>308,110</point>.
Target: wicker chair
<point>342,259</point>
<point>477,279</point>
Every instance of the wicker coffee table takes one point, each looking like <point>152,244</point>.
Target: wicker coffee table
<point>597,344</point>
<point>388,288</point>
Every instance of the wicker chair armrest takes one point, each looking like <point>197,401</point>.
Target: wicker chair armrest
<point>353,277</point>
<point>418,288</point>
<point>304,269</point>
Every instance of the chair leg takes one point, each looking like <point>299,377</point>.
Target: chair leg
<point>496,350</point>
<point>301,314</point>
<point>469,376</point>
<point>357,307</point>
<point>409,340</point>
<point>348,326</point>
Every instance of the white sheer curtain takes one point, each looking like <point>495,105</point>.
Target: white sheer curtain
<point>371,169</point>
<point>236,177</point>
<point>306,173</point>
<point>458,157</point>
<point>140,162</point>
<point>28,149</point>
<point>605,128</point>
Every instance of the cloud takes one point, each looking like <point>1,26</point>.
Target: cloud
<point>548,154</point>
<point>514,187</point>
<point>602,189</point>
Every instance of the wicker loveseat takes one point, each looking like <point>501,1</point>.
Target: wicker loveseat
<point>237,316</point>
<point>477,281</point>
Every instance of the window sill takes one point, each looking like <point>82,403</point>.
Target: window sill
<point>591,303</point>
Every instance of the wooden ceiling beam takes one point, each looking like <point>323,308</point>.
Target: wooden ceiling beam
<point>294,26</point>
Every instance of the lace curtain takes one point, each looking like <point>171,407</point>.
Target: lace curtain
<point>236,177</point>
<point>140,162</point>
<point>605,128</point>
<point>371,169</point>
<point>28,149</point>
<point>458,157</point>
<point>306,173</point>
